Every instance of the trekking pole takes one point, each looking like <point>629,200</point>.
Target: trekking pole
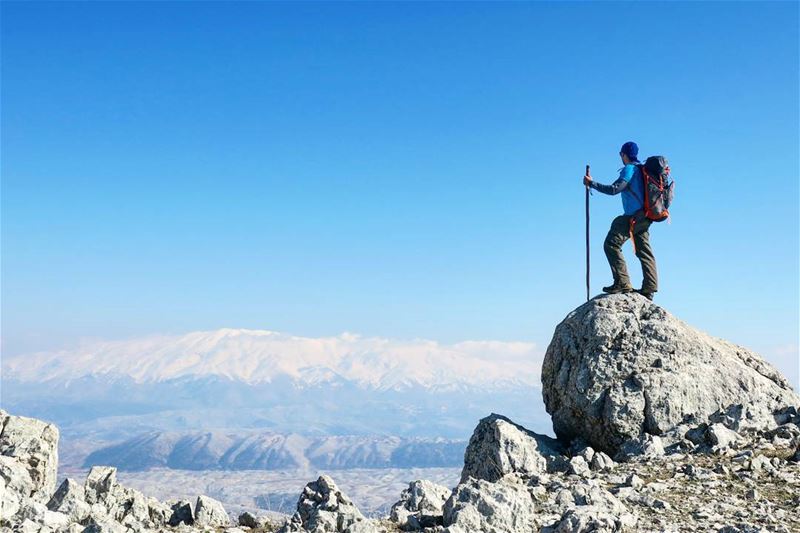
<point>587,237</point>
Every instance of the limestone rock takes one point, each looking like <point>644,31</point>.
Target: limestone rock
<point>323,508</point>
<point>602,462</point>
<point>247,519</point>
<point>365,526</point>
<point>719,435</point>
<point>210,512</point>
<point>644,447</point>
<point>498,447</point>
<point>591,493</point>
<point>480,505</point>
<point>69,499</point>
<point>99,484</point>
<point>34,444</point>
<point>592,519</point>
<point>714,435</point>
<point>111,502</point>
<point>38,513</point>
<point>16,485</point>
<point>620,366</point>
<point>182,513</point>
<point>578,466</point>
<point>105,526</point>
<point>420,505</point>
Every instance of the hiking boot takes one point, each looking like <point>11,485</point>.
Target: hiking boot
<point>615,289</point>
<point>646,294</point>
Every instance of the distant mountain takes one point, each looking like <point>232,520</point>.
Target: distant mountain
<point>237,382</point>
<point>257,357</point>
<point>268,451</point>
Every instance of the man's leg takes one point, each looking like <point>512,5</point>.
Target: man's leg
<point>617,235</point>
<point>641,240</point>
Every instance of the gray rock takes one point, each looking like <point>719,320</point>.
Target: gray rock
<point>602,462</point>
<point>99,484</point>
<point>620,366</point>
<point>69,499</point>
<point>31,510</point>
<point>788,415</point>
<point>590,493</point>
<point>586,519</point>
<point>16,485</point>
<point>643,448</point>
<point>714,435</point>
<point>564,498</point>
<point>498,447</point>
<point>247,519</point>
<point>479,505</point>
<point>182,512</point>
<point>34,444</point>
<point>29,526</point>
<point>364,526</point>
<point>420,505</point>
<point>210,512</point>
<point>111,502</point>
<point>578,466</point>
<point>105,526</point>
<point>761,463</point>
<point>323,508</point>
<point>634,482</point>
<point>719,435</point>
<point>55,520</point>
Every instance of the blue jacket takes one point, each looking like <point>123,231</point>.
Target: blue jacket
<point>630,184</point>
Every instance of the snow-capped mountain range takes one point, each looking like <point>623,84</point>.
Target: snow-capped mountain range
<point>114,396</point>
<point>259,356</point>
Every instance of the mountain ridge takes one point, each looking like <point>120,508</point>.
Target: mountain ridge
<point>259,450</point>
<point>263,356</point>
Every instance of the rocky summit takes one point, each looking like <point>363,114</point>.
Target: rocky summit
<point>660,428</point>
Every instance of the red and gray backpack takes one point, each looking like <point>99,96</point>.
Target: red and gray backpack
<point>659,188</point>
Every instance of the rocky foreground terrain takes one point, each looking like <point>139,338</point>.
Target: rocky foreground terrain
<point>660,428</point>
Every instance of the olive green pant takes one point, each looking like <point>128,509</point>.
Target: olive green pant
<point>619,233</point>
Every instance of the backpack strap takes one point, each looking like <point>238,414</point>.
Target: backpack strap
<point>644,187</point>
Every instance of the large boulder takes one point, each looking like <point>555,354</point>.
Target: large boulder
<point>323,508</point>
<point>34,444</point>
<point>498,447</point>
<point>619,367</point>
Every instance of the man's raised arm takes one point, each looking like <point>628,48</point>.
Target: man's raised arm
<point>615,188</point>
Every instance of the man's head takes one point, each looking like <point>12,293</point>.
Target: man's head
<point>629,152</point>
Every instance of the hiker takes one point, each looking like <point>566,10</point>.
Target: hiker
<point>632,224</point>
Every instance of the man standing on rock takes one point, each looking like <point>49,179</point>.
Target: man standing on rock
<point>632,224</point>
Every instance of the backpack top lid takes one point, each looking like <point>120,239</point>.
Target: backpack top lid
<point>657,165</point>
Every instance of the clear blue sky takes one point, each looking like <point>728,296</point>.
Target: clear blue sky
<point>404,170</point>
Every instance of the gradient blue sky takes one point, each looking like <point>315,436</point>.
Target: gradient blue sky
<point>402,170</point>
